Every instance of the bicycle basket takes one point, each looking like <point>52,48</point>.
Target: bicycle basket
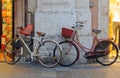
<point>17,44</point>
<point>67,33</point>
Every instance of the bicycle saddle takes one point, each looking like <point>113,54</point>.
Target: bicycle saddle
<point>96,31</point>
<point>41,33</point>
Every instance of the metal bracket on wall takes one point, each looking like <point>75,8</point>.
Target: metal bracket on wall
<point>91,4</point>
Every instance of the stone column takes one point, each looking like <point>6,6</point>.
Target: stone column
<point>103,17</point>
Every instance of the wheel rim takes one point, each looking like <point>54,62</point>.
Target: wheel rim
<point>46,57</point>
<point>111,53</point>
<point>12,54</point>
<point>69,54</point>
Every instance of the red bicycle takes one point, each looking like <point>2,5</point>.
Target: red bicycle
<point>105,51</point>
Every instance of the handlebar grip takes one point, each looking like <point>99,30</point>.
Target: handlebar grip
<point>81,25</point>
<point>79,22</point>
<point>73,27</point>
<point>20,27</point>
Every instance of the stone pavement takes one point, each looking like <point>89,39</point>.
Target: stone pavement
<point>26,70</point>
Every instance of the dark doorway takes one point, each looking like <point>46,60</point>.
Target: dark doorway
<point>0,21</point>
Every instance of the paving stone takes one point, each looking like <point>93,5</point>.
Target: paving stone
<point>25,70</point>
<point>64,74</point>
<point>48,74</point>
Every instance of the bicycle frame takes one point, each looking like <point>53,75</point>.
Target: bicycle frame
<point>43,48</point>
<point>95,41</point>
<point>26,46</point>
<point>100,49</point>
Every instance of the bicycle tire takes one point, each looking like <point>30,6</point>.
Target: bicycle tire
<point>12,54</point>
<point>48,60</point>
<point>70,58</point>
<point>110,52</point>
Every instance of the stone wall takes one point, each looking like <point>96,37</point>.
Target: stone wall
<point>51,16</point>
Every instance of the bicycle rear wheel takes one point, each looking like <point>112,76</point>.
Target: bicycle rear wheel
<point>70,53</point>
<point>13,51</point>
<point>45,53</point>
<point>108,52</point>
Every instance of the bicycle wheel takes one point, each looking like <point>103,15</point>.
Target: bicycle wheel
<point>70,53</point>
<point>107,52</point>
<point>13,51</point>
<point>45,53</point>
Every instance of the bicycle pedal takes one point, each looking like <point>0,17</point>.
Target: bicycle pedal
<point>54,59</point>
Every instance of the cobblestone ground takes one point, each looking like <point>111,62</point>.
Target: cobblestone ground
<point>26,70</point>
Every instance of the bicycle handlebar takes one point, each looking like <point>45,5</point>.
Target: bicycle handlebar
<point>78,25</point>
<point>79,22</point>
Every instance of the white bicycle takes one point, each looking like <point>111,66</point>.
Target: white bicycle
<point>43,48</point>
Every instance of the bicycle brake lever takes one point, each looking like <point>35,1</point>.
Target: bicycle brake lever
<point>73,27</point>
<point>81,25</point>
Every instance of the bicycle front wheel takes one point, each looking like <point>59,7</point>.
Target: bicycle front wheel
<point>70,53</point>
<point>107,52</point>
<point>45,53</point>
<point>13,51</point>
